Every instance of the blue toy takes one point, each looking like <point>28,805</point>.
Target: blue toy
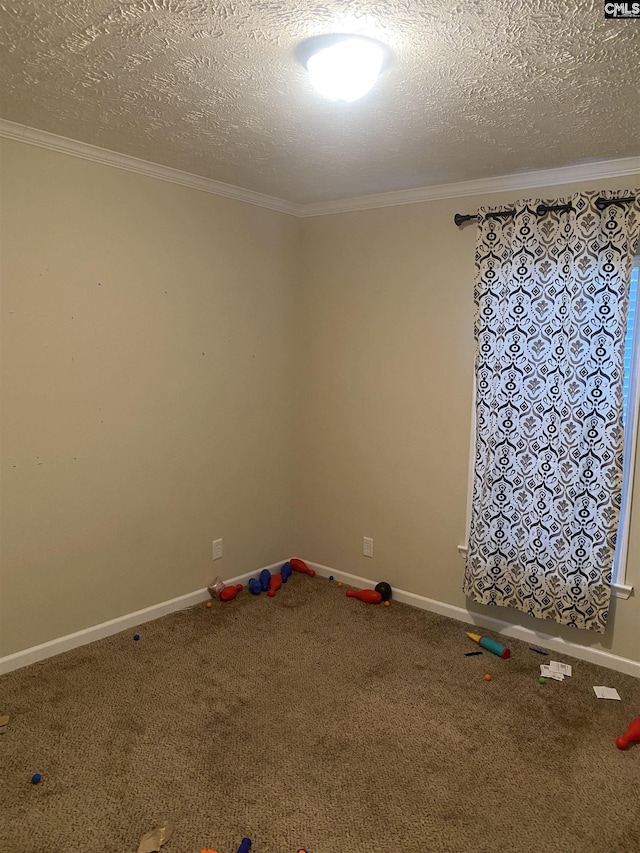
<point>245,845</point>
<point>37,777</point>
<point>265,577</point>
<point>286,571</point>
<point>255,586</point>
<point>136,637</point>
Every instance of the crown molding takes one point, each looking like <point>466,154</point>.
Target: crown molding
<point>501,183</point>
<point>598,170</point>
<point>53,142</point>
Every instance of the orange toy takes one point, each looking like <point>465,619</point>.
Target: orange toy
<point>487,677</point>
<point>368,595</point>
<point>274,584</point>
<point>300,566</point>
<point>632,735</point>
<point>230,592</point>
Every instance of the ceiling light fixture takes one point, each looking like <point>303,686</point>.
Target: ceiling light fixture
<point>343,67</point>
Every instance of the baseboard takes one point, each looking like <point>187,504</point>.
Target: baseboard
<point>131,620</point>
<point>113,626</point>
<point>556,644</point>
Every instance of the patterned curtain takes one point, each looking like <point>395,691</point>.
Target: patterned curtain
<point>551,298</point>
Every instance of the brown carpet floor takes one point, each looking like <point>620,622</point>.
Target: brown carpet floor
<point>319,722</point>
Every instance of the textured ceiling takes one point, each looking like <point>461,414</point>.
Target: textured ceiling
<point>476,88</point>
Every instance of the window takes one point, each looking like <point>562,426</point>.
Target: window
<point>631,403</point>
<point>628,342</point>
<point>631,406</point>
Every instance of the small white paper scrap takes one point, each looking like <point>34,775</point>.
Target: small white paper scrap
<point>607,693</point>
<point>563,668</point>
<point>550,673</point>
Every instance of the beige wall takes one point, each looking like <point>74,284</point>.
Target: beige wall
<point>147,394</point>
<point>178,367</point>
<point>384,391</point>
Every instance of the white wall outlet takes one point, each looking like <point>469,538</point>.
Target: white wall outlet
<point>367,546</point>
<point>217,549</point>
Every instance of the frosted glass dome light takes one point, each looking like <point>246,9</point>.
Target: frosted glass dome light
<point>347,68</point>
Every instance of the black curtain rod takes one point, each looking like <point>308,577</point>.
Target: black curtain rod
<point>541,210</point>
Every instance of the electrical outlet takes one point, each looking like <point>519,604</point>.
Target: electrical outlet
<point>367,546</point>
<point>217,549</point>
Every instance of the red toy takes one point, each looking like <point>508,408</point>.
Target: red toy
<point>632,735</point>
<point>300,566</point>
<point>230,592</point>
<point>274,584</point>
<point>368,595</point>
